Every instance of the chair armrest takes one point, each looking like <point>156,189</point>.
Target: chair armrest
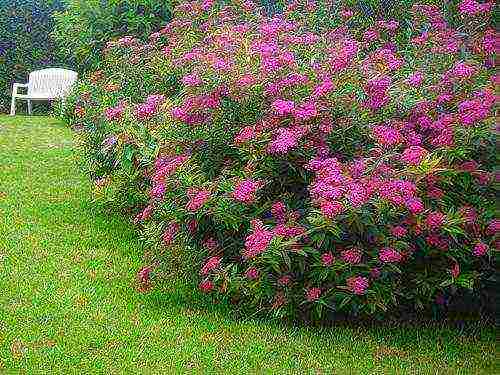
<point>16,86</point>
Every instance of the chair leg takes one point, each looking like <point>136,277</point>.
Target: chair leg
<point>30,107</point>
<point>13,106</point>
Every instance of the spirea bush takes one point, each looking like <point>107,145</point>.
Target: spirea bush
<point>300,171</point>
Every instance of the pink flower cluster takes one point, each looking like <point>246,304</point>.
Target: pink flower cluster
<point>477,109</point>
<point>211,264</point>
<point>313,294</point>
<point>170,233</point>
<point>191,80</point>
<point>435,220</point>
<point>278,210</point>
<point>115,113</point>
<point>357,284</point>
<point>283,107</point>
<point>414,155</point>
<point>474,8</point>
<point>386,135</point>
<point>480,249</point>
<point>245,191</point>
<point>377,91</point>
<point>258,241</point>
<point>285,140</point>
<point>146,110</point>
<point>327,259</point>
<point>197,198</point>
<point>389,255</point>
<point>352,256</point>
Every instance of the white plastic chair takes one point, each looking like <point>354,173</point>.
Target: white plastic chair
<point>45,84</point>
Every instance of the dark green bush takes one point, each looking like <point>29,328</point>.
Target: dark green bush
<point>84,26</point>
<point>25,42</point>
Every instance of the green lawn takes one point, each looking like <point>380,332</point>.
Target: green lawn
<point>68,302</point>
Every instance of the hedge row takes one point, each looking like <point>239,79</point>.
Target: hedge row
<point>297,167</point>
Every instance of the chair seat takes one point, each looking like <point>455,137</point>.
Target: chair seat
<point>36,96</point>
<point>45,84</point>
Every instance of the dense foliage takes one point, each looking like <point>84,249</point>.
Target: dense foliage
<point>302,166</point>
<point>25,42</point>
<point>84,26</point>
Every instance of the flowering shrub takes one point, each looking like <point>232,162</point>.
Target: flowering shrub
<point>304,170</point>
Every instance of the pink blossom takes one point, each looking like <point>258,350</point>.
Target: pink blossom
<point>288,231</point>
<point>167,51</point>
<point>179,113</point>
<point>210,243</point>
<point>246,80</point>
<point>415,79</point>
<point>370,35</point>
<point>278,210</point>
<point>480,249</point>
<point>245,191</point>
<point>313,294</point>
<point>246,134</point>
<point>469,214</point>
<point>144,274</point>
<point>283,107</point>
<point>414,155</point>
<point>357,194</point>
<point>455,270</point>
<point>352,256</point>
<point>462,71</point>
<point>375,273</point>
<point>399,231</point>
<point>493,227</point>
<point>170,233</point>
<point>144,214</point>
<point>252,273</point>
<point>435,220</point>
<point>258,241</point>
<point>386,135</point>
<point>331,209</point>
<point>207,4</point>
<point>323,88</point>
<point>389,255</point>
<point>197,198</point>
<point>306,111</point>
<point>490,41</point>
<point>211,264</point>
<point>192,80</point>
<point>483,178</point>
<point>206,286</point>
<point>284,280</point>
<point>157,191</point>
<point>435,193</point>
<point>346,13</point>
<point>473,7</point>
<point>357,284</point>
<point>285,140</point>
<point>115,113</point>
<point>340,59</point>
<point>437,241</point>
<point>327,259</point>
<point>414,205</point>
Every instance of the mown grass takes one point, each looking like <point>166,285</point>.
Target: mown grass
<point>68,302</point>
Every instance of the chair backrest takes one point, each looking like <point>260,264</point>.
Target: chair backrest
<point>51,83</point>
